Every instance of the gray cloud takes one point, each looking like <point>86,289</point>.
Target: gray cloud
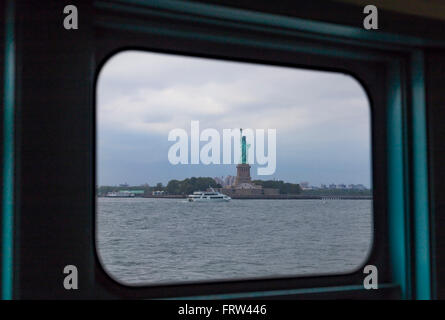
<point>322,118</point>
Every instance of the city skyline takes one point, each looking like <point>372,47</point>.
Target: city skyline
<point>231,178</point>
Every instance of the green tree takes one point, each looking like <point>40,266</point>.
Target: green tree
<point>159,186</point>
<point>284,188</point>
<point>189,185</point>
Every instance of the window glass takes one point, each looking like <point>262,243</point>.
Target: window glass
<point>215,170</point>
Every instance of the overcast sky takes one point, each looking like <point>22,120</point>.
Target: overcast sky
<point>322,118</point>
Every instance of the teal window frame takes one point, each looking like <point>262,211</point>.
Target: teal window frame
<point>406,135</point>
<point>6,263</point>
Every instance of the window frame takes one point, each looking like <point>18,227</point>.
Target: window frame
<point>137,29</point>
<point>54,224</point>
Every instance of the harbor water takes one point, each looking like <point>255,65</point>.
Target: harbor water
<point>150,241</point>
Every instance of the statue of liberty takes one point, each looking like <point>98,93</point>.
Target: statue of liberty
<point>243,168</point>
<point>244,148</point>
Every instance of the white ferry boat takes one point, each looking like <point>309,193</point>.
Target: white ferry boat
<point>208,196</point>
<point>120,194</point>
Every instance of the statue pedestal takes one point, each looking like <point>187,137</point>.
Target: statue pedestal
<point>242,174</point>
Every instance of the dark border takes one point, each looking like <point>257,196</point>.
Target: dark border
<point>109,42</point>
<point>54,210</point>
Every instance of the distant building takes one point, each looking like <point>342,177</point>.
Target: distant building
<point>357,187</point>
<point>137,193</point>
<point>332,186</point>
<point>323,186</point>
<point>304,185</point>
<point>229,180</point>
<point>158,193</point>
<point>219,180</point>
<point>341,186</point>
